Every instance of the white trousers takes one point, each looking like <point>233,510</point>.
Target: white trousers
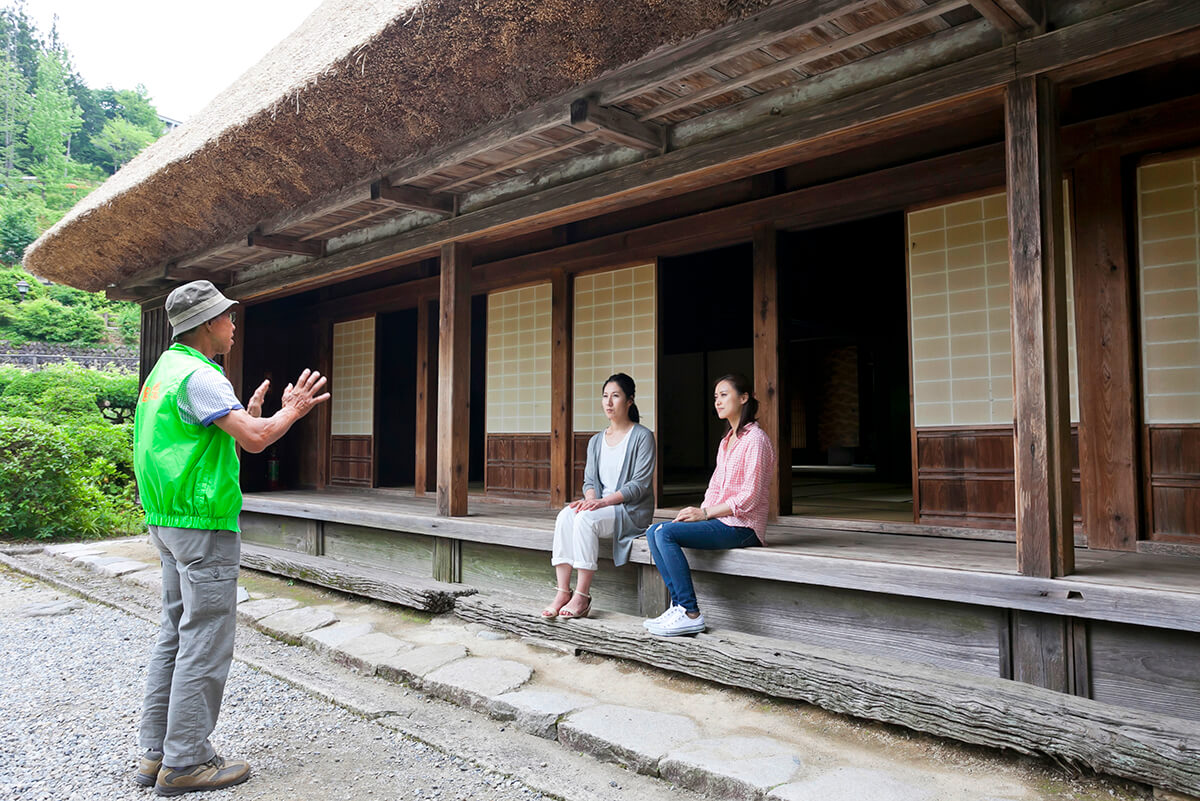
<point>577,536</point>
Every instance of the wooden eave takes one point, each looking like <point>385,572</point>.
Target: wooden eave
<point>788,43</point>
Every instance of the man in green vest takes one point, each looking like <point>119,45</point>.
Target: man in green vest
<point>187,427</point>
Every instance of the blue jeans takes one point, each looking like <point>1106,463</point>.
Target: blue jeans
<point>667,541</point>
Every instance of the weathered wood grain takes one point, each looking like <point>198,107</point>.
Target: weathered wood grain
<point>1037,264</point>
<point>562,380</point>
<point>454,380</point>
<point>770,373</point>
<point>1157,749</point>
<point>383,585</point>
<point>425,475</point>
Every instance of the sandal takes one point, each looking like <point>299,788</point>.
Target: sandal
<point>566,614</point>
<point>551,611</point>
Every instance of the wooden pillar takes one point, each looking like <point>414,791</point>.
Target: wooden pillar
<point>425,476</point>
<point>324,412</point>
<point>1037,264</point>
<point>236,358</point>
<point>769,369</point>
<point>454,381</point>
<point>562,432</point>
<point>447,559</point>
<point>1104,321</point>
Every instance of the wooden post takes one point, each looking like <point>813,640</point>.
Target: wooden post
<point>769,377</point>
<point>1104,322</point>
<point>324,413</point>
<point>1037,264</point>
<point>425,475</point>
<point>235,360</point>
<point>562,433</point>
<point>454,381</point>
<point>447,559</point>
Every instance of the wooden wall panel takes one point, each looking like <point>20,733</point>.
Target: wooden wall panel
<point>350,460</point>
<point>394,550</point>
<point>1173,454</point>
<point>1153,670</point>
<point>518,465</point>
<point>579,462</point>
<point>156,338</point>
<point>965,477</point>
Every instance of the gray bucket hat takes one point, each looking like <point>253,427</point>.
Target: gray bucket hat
<point>194,303</point>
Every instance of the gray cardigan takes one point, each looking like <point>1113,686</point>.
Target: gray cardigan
<point>633,482</point>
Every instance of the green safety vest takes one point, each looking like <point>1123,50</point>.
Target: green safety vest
<point>187,474</point>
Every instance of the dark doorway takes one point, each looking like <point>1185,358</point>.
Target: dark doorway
<point>847,359</point>
<point>478,404</point>
<point>396,401</point>
<point>705,331</point>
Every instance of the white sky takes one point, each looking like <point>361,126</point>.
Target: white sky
<point>184,52</point>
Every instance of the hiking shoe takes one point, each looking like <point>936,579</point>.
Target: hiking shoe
<point>148,765</point>
<point>214,774</point>
<point>676,622</point>
<point>654,621</point>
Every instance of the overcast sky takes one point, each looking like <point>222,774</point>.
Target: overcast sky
<point>185,53</point>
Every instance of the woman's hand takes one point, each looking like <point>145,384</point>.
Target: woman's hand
<point>592,504</point>
<point>690,514</point>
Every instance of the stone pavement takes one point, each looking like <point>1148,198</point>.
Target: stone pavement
<point>714,740</point>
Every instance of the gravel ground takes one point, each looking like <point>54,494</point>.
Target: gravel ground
<point>70,694</point>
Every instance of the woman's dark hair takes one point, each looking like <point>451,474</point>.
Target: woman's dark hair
<point>741,385</point>
<point>626,384</point>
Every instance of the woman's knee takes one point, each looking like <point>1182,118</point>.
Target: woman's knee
<point>587,523</point>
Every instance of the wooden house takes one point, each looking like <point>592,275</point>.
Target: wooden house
<point>956,243</point>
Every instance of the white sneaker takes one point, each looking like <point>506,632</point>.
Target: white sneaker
<point>677,623</point>
<point>654,621</point>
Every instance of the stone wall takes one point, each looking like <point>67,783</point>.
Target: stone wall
<point>35,355</point>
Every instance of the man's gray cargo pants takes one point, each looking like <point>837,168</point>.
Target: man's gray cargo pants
<point>190,661</point>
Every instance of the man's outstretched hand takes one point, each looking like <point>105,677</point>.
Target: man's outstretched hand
<point>254,406</point>
<point>303,395</point>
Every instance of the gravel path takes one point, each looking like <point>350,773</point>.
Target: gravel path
<point>70,693</point>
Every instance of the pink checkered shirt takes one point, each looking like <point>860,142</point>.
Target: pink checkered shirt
<point>743,480</point>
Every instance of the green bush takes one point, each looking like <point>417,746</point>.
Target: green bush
<point>10,277</point>
<point>65,469</point>
<point>45,320</point>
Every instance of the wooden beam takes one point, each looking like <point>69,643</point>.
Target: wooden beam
<point>866,117</point>
<point>425,433</point>
<point>1045,545</point>
<point>454,381</point>
<point>770,372</point>
<point>778,21</point>
<point>562,432</point>
<point>286,244</point>
<point>413,197</point>
<point>839,45</point>
<point>1105,321</point>
<point>992,11</point>
<point>617,126</point>
<point>520,161</point>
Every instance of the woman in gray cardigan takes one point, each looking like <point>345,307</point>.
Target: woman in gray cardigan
<point>617,500</point>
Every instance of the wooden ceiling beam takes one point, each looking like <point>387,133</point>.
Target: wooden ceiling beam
<point>1012,16</point>
<point>286,244</point>
<point>809,56</point>
<point>414,198</point>
<point>617,126</point>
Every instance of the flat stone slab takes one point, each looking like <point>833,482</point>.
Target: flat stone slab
<point>257,610</point>
<point>242,594</point>
<point>538,711</point>
<point>88,559</point>
<point>635,738</point>
<point>72,549</point>
<point>411,666</point>
<point>150,577</point>
<point>366,651</point>
<point>852,784</point>
<point>290,625</point>
<point>59,606</point>
<point>473,682</point>
<point>120,567</point>
<point>325,640</point>
<point>732,767</point>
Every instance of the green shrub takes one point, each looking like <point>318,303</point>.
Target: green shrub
<point>129,318</point>
<point>45,320</point>
<point>68,394</point>
<point>42,491</point>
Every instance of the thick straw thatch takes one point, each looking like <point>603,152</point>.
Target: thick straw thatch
<point>360,85</point>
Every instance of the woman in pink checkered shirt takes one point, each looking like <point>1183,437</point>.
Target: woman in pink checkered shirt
<point>734,512</point>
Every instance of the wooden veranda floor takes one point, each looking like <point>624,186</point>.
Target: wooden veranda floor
<point>1148,589</point>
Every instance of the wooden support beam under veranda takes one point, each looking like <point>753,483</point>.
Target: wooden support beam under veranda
<point>454,380</point>
<point>1037,259</point>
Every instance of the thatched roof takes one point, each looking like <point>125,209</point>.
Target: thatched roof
<point>360,85</point>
